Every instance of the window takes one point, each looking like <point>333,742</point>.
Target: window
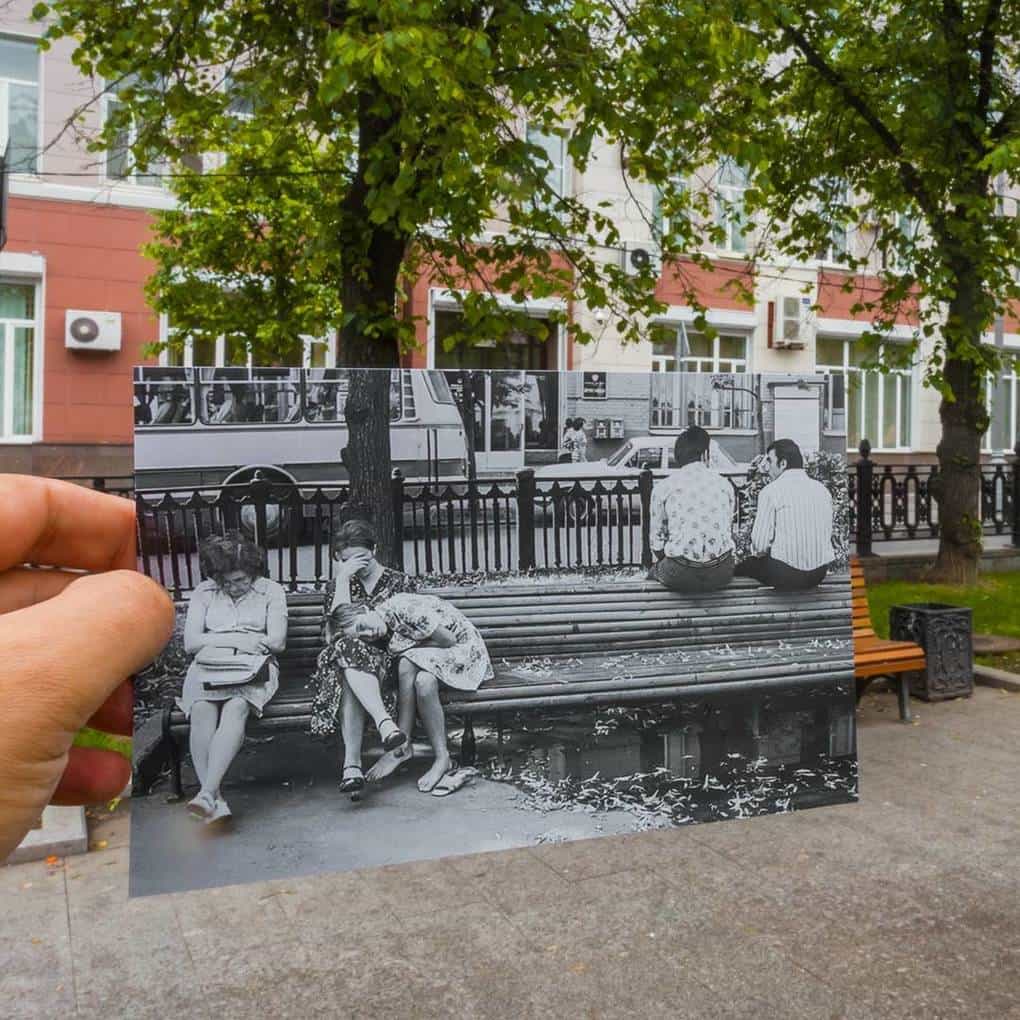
<point>120,160</point>
<point>17,360</point>
<point>837,248</point>
<point>688,351</point>
<point>1004,412</point>
<point>19,102</point>
<point>240,106</point>
<point>314,352</point>
<point>895,258</point>
<point>731,183</point>
<point>660,221</point>
<point>678,401</point>
<point>555,149</point>
<point>867,403</point>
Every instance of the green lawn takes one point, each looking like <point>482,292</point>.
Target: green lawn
<point>995,600</point>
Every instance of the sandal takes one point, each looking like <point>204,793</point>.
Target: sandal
<point>353,783</point>
<point>396,739</point>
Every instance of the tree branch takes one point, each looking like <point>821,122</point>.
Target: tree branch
<point>913,183</point>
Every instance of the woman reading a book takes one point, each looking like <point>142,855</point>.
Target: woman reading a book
<point>236,624</point>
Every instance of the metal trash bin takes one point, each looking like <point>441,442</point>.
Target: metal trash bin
<point>944,632</point>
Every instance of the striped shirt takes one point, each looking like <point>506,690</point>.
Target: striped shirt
<point>692,514</point>
<point>794,521</point>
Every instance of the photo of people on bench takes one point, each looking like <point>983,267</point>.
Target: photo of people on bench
<point>474,644</point>
<point>694,511</point>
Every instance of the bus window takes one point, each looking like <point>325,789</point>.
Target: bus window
<point>162,396</point>
<point>246,396</point>
<point>439,387</point>
<point>327,394</point>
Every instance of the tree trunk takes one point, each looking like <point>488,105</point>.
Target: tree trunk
<point>957,487</point>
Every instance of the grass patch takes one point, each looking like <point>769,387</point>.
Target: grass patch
<point>104,741</point>
<point>995,601</point>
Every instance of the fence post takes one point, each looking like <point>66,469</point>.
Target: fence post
<point>526,519</point>
<point>865,477</point>
<point>645,492</point>
<point>1016,495</point>
<point>397,492</point>
<point>259,487</point>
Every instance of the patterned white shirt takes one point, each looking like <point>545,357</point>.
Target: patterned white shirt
<point>794,521</point>
<point>692,514</point>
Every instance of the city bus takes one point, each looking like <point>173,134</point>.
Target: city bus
<point>197,427</point>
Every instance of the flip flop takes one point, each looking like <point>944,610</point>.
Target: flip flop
<point>396,739</point>
<point>453,781</point>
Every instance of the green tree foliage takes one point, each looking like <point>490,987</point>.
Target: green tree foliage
<point>899,120</point>
<point>385,138</point>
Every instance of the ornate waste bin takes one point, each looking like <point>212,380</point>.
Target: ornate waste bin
<point>944,632</point>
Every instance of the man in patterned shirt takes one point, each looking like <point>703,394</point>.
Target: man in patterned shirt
<point>791,540</point>
<point>692,521</point>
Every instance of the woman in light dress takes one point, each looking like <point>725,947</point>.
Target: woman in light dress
<point>234,608</point>
<point>435,644</point>
<point>351,673</point>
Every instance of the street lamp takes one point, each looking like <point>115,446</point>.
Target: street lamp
<point>718,384</point>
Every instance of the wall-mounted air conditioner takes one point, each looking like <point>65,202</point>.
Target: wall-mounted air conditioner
<point>640,258</point>
<point>91,331</point>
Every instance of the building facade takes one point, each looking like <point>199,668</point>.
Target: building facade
<point>77,221</point>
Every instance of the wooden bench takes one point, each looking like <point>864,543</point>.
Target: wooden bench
<point>875,656</point>
<point>602,642</point>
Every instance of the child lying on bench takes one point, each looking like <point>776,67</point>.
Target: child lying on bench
<point>434,644</point>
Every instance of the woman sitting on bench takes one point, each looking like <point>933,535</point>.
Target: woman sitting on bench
<point>435,644</point>
<point>236,624</point>
<point>351,672</point>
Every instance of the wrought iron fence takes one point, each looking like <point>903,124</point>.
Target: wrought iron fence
<point>516,522</point>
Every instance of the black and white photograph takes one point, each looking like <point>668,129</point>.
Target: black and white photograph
<point>425,613</point>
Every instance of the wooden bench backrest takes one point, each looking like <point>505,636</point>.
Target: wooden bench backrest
<point>522,621</point>
<point>859,601</point>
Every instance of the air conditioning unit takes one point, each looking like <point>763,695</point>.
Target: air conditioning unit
<point>795,324</point>
<point>91,331</point>
<point>641,258</point>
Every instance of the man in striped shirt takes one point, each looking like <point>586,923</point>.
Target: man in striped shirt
<point>791,540</point>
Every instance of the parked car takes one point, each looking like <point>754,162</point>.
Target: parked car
<point>637,453</point>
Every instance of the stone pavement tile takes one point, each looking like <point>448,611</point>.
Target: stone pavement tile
<point>30,892</point>
<point>374,976</point>
<point>214,922</point>
<point>36,971</point>
<point>321,907</point>
<point>918,973</point>
<point>743,969</point>
<point>513,880</point>
<point>124,948</point>
<point>589,858</point>
<point>422,887</point>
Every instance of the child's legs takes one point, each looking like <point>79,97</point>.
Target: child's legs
<point>406,673</point>
<point>426,689</point>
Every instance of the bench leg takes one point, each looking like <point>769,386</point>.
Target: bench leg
<point>468,751</point>
<point>175,757</point>
<point>499,733</point>
<point>904,697</point>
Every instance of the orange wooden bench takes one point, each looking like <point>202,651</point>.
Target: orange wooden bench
<point>875,656</point>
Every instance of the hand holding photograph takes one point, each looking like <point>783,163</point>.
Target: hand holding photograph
<point>570,606</point>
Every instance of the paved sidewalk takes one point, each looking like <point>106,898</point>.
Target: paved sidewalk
<point>905,905</point>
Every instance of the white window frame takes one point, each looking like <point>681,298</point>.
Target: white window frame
<point>910,226</point>
<point>829,255</point>
<point>24,270</point>
<point>159,169</point>
<point>562,189</point>
<point>730,198</point>
<point>1012,377</point>
<point>683,361</point>
<point>5,81</point>
<point>220,349</point>
<point>906,377</point>
<point>659,220</point>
